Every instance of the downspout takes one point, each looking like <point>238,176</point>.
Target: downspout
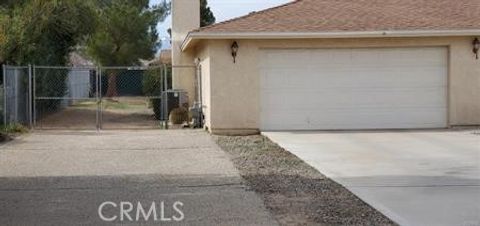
<point>199,95</point>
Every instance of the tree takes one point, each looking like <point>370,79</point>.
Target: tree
<point>126,33</point>
<point>206,15</point>
<point>42,31</point>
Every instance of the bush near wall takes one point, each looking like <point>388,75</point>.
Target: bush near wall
<point>153,85</point>
<point>2,104</point>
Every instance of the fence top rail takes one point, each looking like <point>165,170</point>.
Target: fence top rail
<point>64,67</point>
<point>86,98</point>
<point>147,67</point>
<point>102,67</point>
<point>133,68</point>
<point>182,66</point>
<point>15,67</point>
<point>150,67</point>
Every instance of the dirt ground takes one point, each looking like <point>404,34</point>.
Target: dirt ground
<point>294,192</point>
<point>117,113</point>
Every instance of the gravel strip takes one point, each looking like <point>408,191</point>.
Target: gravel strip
<point>294,192</point>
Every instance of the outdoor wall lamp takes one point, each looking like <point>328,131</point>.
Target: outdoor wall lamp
<point>476,47</point>
<point>234,48</point>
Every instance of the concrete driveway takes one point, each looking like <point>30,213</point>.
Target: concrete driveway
<point>413,177</point>
<point>62,178</point>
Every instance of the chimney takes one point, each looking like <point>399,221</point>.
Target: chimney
<point>185,18</point>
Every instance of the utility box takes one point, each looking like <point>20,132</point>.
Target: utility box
<point>196,112</point>
<point>172,99</point>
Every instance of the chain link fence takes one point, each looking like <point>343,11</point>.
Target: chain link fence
<point>16,95</point>
<point>84,98</point>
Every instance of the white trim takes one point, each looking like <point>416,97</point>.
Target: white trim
<point>308,35</point>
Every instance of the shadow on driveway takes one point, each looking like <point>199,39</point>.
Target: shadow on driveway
<point>75,200</point>
<point>61,178</point>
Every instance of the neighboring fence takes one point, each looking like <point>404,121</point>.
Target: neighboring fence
<point>52,97</point>
<point>16,95</point>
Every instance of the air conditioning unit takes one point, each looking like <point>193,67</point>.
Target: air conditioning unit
<point>172,99</point>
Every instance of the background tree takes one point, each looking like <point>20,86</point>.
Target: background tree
<point>206,15</point>
<point>126,33</point>
<point>42,31</point>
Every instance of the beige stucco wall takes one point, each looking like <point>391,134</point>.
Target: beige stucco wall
<point>205,66</point>
<point>233,104</point>
<point>185,18</point>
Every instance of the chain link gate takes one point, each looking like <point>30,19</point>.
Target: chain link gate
<point>131,97</point>
<point>65,98</point>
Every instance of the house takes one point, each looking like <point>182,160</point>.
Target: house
<point>80,79</point>
<point>335,65</point>
<point>164,57</point>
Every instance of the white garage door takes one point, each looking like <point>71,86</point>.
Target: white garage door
<point>371,88</point>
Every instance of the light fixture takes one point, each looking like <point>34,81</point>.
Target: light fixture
<point>476,47</point>
<point>234,48</point>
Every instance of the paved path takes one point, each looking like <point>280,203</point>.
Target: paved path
<point>61,178</point>
<point>415,178</point>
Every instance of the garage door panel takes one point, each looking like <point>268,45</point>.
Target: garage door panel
<point>399,57</point>
<point>334,119</point>
<point>352,98</point>
<point>328,56</point>
<point>368,90</point>
<point>361,77</point>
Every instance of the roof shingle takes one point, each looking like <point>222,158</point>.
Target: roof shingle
<point>357,15</point>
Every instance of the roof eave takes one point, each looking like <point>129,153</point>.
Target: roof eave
<point>193,37</point>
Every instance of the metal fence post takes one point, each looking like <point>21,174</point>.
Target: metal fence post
<point>34,100</point>
<point>97,98</point>
<point>15,94</point>
<point>30,112</point>
<point>165,85</point>
<point>165,77</point>
<point>4,69</point>
<point>200,94</point>
<point>100,99</point>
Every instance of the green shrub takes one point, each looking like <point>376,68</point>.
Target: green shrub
<point>8,132</point>
<point>153,85</point>
<point>14,128</point>
<point>2,104</point>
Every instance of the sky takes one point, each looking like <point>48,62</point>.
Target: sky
<point>223,10</point>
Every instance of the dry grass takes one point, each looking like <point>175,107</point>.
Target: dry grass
<point>117,113</point>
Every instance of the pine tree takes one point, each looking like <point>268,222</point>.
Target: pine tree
<point>206,15</point>
<point>126,33</point>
